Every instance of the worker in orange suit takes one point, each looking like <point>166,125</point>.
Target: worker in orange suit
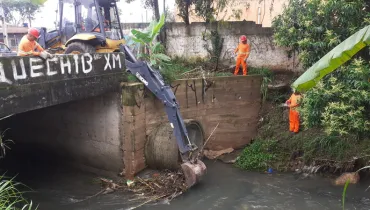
<point>242,51</point>
<point>293,102</point>
<point>28,44</point>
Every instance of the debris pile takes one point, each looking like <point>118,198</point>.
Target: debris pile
<point>165,184</point>
<point>352,178</point>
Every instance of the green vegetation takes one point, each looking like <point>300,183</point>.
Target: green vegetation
<point>10,197</point>
<point>313,27</point>
<point>258,156</point>
<point>347,183</point>
<point>308,146</point>
<point>331,135</point>
<point>4,144</point>
<point>18,11</point>
<point>217,44</point>
<point>153,51</point>
<point>336,113</point>
<point>267,75</point>
<point>341,102</point>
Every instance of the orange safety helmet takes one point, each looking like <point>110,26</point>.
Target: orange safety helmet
<point>34,32</point>
<point>243,38</point>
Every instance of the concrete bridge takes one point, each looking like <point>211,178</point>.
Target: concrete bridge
<point>28,83</point>
<point>68,107</point>
<point>74,109</point>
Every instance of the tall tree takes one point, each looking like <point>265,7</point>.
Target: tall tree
<point>18,11</point>
<point>212,10</point>
<point>184,8</point>
<point>205,9</point>
<point>150,4</point>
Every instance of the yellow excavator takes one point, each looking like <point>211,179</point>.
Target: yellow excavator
<point>85,26</point>
<point>93,26</point>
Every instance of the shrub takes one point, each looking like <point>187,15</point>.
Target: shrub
<point>313,27</point>
<point>341,101</point>
<point>257,156</point>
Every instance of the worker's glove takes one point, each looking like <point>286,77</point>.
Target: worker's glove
<point>284,105</point>
<point>50,55</point>
<point>45,55</point>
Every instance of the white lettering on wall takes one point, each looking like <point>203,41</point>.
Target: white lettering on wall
<point>116,58</point>
<point>107,63</point>
<point>75,57</point>
<point>89,62</point>
<point>23,69</point>
<point>34,67</point>
<point>3,78</point>
<point>64,65</point>
<point>49,71</point>
<point>97,56</point>
<point>20,69</point>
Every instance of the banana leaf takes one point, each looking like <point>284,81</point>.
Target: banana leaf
<point>334,59</point>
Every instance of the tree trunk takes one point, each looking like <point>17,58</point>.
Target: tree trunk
<point>163,31</point>
<point>209,11</point>
<point>186,19</point>
<point>29,21</point>
<point>156,10</point>
<point>164,7</point>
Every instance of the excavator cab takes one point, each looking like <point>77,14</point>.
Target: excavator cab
<point>85,26</point>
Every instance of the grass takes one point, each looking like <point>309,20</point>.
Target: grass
<point>308,146</point>
<point>10,197</point>
<point>4,144</point>
<point>258,156</point>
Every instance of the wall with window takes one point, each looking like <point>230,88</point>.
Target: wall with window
<point>14,40</point>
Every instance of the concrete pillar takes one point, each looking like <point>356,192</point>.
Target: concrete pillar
<point>134,128</point>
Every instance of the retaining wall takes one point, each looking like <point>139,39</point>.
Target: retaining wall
<point>233,102</point>
<point>189,42</point>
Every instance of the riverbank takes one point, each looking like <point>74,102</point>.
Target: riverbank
<point>311,150</point>
<point>223,187</point>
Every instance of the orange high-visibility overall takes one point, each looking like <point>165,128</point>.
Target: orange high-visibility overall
<point>293,102</point>
<point>27,47</point>
<point>243,53</point>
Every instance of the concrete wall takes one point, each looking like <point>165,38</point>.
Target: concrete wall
<point>188,42</point>
<point>83,133</point>
<point>234,102</point>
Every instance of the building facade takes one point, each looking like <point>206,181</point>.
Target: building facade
<point>15,34</point>
<point>259,11</point>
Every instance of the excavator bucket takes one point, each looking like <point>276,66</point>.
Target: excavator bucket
<point>193,172</point>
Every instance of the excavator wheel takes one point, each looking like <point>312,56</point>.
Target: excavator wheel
<point>79,48</point>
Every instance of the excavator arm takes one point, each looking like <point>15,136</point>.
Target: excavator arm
<point>153,80</point>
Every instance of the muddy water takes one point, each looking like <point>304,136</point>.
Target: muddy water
<point>224,187</point>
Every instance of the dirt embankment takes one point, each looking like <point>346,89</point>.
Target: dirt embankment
<point>311,150</point>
